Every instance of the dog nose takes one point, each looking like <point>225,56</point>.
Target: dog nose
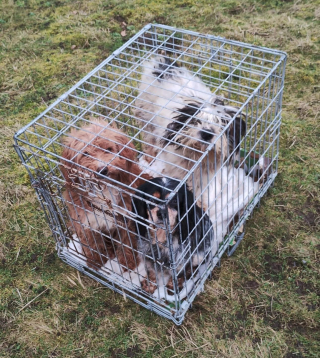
<point>160,214</point>
<point>103,171</point>
<point>206,134</point>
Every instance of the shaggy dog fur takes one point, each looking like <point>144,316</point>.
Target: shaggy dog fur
<point>182,115</point>
<point>97,160</point>
<point>182,118</point>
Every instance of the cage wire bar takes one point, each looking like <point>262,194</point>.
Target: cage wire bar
<point>148,168</point>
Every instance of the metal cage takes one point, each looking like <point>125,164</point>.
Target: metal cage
<point>148,168</point>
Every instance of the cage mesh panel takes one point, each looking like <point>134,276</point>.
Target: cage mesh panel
<point>111,249</point>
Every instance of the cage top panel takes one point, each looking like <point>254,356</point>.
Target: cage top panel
<point>228,68</point>
<point>226,58</point>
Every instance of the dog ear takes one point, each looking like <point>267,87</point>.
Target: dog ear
<point>139,207</point>
<point>187,211</point>
<point>199,223</point>
<point>179,121</point>
<point>237,130</point>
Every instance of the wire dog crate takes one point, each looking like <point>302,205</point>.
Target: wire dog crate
<point>148,168</point>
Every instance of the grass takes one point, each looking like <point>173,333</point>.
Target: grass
<point>263,301</point>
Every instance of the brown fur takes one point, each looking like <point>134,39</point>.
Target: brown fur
<point>98,241</point>
<point>149,285</point>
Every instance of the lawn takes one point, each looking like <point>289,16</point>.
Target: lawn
<point>263,301</point>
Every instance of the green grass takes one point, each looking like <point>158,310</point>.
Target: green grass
<point>263,301</point>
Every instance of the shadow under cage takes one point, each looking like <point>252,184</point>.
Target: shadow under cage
<point>148,168</point>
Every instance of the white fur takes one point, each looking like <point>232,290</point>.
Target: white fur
<point>162,292</point>
<point>75,245</point>
<point>261,162</point>
<point>74,249</point>
<point>230,192</point>
<point>137,275</point>
<point>134,277</point>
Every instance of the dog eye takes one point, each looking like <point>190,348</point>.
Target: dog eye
<point>173,202</point>
<point>109,149</point>
<point>86,153</point>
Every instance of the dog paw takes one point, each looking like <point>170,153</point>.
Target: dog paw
<point>148,286</point>
<point>262,170</point>
<point>180,282</point>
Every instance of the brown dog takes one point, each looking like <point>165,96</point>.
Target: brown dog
<point>99,167</point>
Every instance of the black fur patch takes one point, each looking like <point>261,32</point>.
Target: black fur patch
<point>236,131</point>
<point>159,71</point>
<point>186,116</point>
<point>219,101</point>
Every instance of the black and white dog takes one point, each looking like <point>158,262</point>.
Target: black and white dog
<point>182,118</point>
<point>173,233</point>
<point>182,115</point>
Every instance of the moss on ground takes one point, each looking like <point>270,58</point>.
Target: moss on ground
<point>263,301</point>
